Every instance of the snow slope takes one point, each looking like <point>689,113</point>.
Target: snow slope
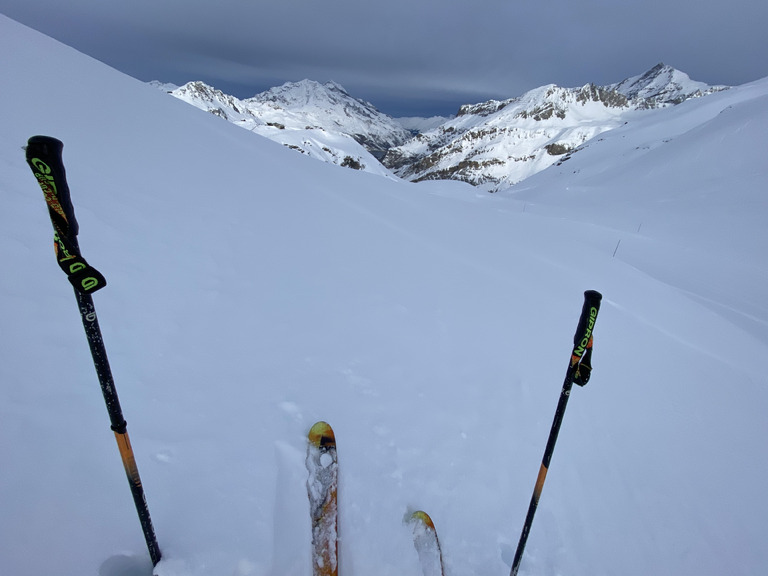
<point>253,291</point>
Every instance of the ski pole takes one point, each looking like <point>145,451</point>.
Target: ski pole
<point>44,157</point>
<point>579,369</point>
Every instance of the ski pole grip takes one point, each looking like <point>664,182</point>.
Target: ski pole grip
<point>44,157</point>
<point>45,160</point>
<point>587,321</point>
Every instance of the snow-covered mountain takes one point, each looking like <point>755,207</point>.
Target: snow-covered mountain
<point>331,107</point>
<point>495,144</point>
<point>662,86</point>
<point>491,144</point>
<point>253,291</point>
<point>320,120</point>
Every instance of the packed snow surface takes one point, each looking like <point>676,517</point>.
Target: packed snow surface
<point>253,291</point>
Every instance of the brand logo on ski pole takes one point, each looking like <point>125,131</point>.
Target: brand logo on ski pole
<point>48,184</point>
<point>586,339</point>
<point>82,275</point>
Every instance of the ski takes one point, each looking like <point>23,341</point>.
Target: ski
<point>426,543</point>
<point>322,486</point>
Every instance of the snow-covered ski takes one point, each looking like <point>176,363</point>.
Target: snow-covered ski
<point>426,543</point>
<point>322,484</point>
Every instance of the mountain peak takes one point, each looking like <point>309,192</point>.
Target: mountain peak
<point>330,105</point>
<point>662,85</point>
<point>320,120</point>
<point>303,93</point>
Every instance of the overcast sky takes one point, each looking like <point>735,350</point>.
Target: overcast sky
<point>410,57</point>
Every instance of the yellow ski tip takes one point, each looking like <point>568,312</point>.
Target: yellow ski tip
<point>321,434</point>
<point>421,516</point>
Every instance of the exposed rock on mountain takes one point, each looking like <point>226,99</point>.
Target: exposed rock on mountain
<point>497,143</point>
<point>491,144</point>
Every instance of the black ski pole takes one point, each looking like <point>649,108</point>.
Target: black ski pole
<point>44,157</point>
<point>579,369</point>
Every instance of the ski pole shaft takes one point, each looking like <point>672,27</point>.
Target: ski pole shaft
<point>44,157</point>
<point>580,360</point>
<point>118,424</point>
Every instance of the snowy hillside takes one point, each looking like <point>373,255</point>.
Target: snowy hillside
<point>496,144</point>
<point>253,291</point>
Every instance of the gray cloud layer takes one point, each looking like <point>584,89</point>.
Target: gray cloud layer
<point>410,56</point>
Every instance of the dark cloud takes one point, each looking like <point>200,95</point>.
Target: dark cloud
<point>410,56</point>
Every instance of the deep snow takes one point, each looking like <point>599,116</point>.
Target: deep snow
<point>253,291</point>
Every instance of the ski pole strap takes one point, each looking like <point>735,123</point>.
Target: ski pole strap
<point>581,357</point>
<point>44,158</point>
<point>84,277</point>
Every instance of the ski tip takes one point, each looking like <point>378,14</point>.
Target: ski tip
<point>424,518</point>
<point>321,434</point>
